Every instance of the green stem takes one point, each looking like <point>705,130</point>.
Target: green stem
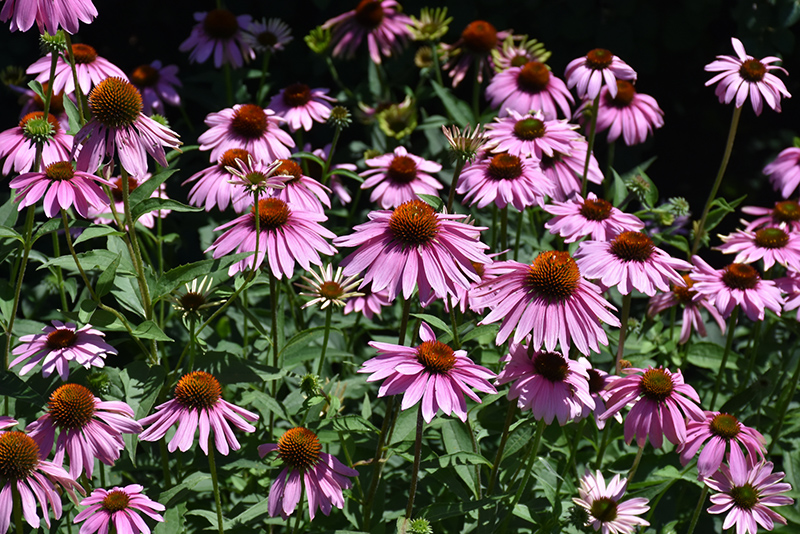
<point>454,322</point>
<point>212,466</point>
<point>519,234</point>
<point>273,295</point>
<point>192,320</point>
<point>610,163</point>
<point>776,432</point>
<point>573,452</point>
<point>700,230</point>
<point>512,408</point>
<point>456,173</point>
<point>623,330</point>
<point>590,147</point>
<point>337,80</point>
<point>299,517</point>
<point>598,463</point>
<point>79,96</point>
<point>325,336</point>
<point>48,94</point>
<point>59,274</point>
<point>635,465</point>
<point>17,504</point>
<point>264,70</point>
<point>327,163</point>
<point>696,515</point>
<point>504,232</point>
<point>162,445</point>
<point>725,354</point>
<point>534,453</point>
<point>26,250</point>
<point>417,458</point>
<point>755,337</point>
<point>436,68</point>
<point>226,68</point>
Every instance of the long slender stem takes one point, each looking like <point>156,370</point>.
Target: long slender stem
<point>725,354</point>
<point>417,458</point>
<point>212,466</point>
<point>503,232</point>
<point>79,96</point>
<point>623,330</point>
<point>598,463</point>
<point>696,515</point>
<point>534,454</point>
<point>59,274</point>
<point>590,147</point>
<point>456,173</point>
<point>512,408</point>
<point>26,250</point>
<point>228,84</point>
<point>17,504</point>
<point>454,323</point>
<point>162,445</point>
<point>325,337</point>
<point>327,163</point>
<point>273,295</point>
<point>519,234</point>
<point>635,465</point>
<point>264,70</point>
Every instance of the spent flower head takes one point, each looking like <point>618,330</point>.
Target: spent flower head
<point>516,51</point>
<point>340,117</point>
<point>431,25</point>
<point>466,144</point>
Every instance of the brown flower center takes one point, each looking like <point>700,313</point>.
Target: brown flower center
<point>596,382</point>
<point>145,76</point>
<point>533,77</point>
<point>83,53</point>
<point>684,294</point>
<point>745,497</point>
<point>725,426</point>
<point>38,115</point>
<point>116,500</point>
<point>115,103</point>
<point>480,268</point>
<point>56,101</point>
<point>505,167</point>
<point>436,357</point>
<point>625,94</point>
<point>414,223</point>
<point>116,191</point>
<point>656,385</point>
<point>552,366</point>
<point>752,70</point>
<point>330,290</point>
<point>71,406</point>
<point>249,121</point>
<point>771,238</point>
<point>192,301</point>
<point>529,129</point>
<point>599,59</point>
<point>229,157</point>
<point>300,448</point>
<point>289,168</point>
<point>60,339</point>
<point>402,170</point>
<point>220,24</point>
<point>267,39</point>
<point>632,246</point>
<point>553,275</point>
<point>369,13</point>
<point>272,213</point>
<point>296,95</point>
<point>604,509</point>
<point>786,211</point>
<point>59,171</point>
<point>198,391</point>
<point>19,455</point>
<point>479,37</point>
<point>596,209</point>
<point>740,276</point>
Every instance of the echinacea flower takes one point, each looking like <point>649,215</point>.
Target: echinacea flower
<point>398,177</point>
<point>629,261</point>
<point>607,512</point>
<point>771,244</point>
<point>548,384</point>
<point>736,284</point>
<point>527,88</point>
<point>518,50</point>
<point>49,15</point>
<point>466,144</point>
<point>785,215</point>
<point>473,49</point>
<point>748,490</point>
<point>784,171</point>
<point>630,114</point>
<point>18,144</point>
<point>118,127</point>
<point>299,190</point>
<point>268,35</point>
<point>286,236</point>
<point>60,344</point>
<point>329,289</point>
<point>118,507</point>
<point>103,215</point>
<point>504,179</point>
<point>598,389</point>
<point>308,470</point>
<point>195,298</point>
<point>6,422</point>
<point>369,304</point>
<point>414,247</point>
<point>596,69</point>
<point>742,75</point>
<point>548,299</point>
<point>660,403</point>
<point>90,70</point>
<point>302,106</point>
<point>790,284</point>
<point>431,26</point>
<point>691,301</point>
<point>248,127</point>
<point>565,169</point>
<point>380,21</point>
<point>719,432</point>
<point>531,135</point>
<point>33,102</point>
<point>577,218</point>
<point>157,84</point>
<point>35,480</point>
<point>219,33</point>
<point>214,188</point>
<point>83,427</point>
<point>197,403</point>
<point>431,372</point>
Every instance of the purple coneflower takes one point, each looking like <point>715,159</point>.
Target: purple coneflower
<point>531,135</point>
<point>302,106</point>
<point>32,102</point>
<point>50,15</point>
<point>398,177</point>
<point>219,32</point>
<point>369,304</point>
<point>6,422</point>
<point>268,35</point>
<point>598,388</point>
<point>530,87</point>
<point>784,171</point>
<point>308,470</point>
<point>588,74</point>
<point>771,244</point>
<point>299,190</point>
<point>380,21</point>
<point>18,144</point>
<point>565,169</point>
<point>214,188</point>
<point>504,179</point>
<point>473,49</point>
<point>60,344</point>
<point>577,218</point>
<point>197,403</point>
<point>157,85</point>
<point>657,397</point>
<point>90,69</point>
<point>790,284</point>
<point>86,428</point>
<point>630,114</point>
<point>606,510</point>
<point>691,301</point>
<point>431,372</point>
<point>744,75</point>
<point>248,127</point>
<point>329,289</point>
<point>118,507</point>
<point>548,299</point>
<point>785,215</point>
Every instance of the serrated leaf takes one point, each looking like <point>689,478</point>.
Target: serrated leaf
<point>93,259</point>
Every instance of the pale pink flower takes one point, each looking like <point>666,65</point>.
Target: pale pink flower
<point>596,69</point>
<point>529,88</point>
<point>790,284</point>
<point>630,115</point>
<point>380,21</point>
<point>302,106</point>
<point>566,170</point>
<point>214,188</point>
<point>577,218</point>
<point>771,244</point>
<point>369,304</point>
<point>157,84</point>
<point>473,49</point>
<point>219,33</point>
<point>49,15</point>
<point>18,144</point>
<point>90,69</point>
<point>606,510</point>
<point>691,301</point>
<point>299,190</point>
<point>784,171</point>
<point>598,388</point>
<point>6,422</point>
<point>118,507</point>
<point>504,179</point>
<point>400,176</point>
<point>785,215</point>
<point>531,135</point>
<point>248,127</point>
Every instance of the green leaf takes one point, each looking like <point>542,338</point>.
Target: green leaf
<point>308,155</point>
<point>182,274</point>
<point>12,386</point>
<point>145,189</point>
<point>174,522</point>
<point>37,88</point>
<point>709,356</point>
<point>458,109</point>
<point>677,241</point>
<point>349,174</point>
<point>93,259</point>
<point>106,279</point>
<point>457,440</point>
<point>9,212</point>
<point>96,230</point>
<point>6,232</point>
<point>73,115</point>
<point>353,423</point>
<point>488,330</point>
<point>150,330</point>
<point>156,204</point>
<point>142,385</point>
<point>432,200</point>
<point>433,321</point>
<point>620,190</point>
<point>719,209</point>
<point>211,517</point>
<point>177,494</point>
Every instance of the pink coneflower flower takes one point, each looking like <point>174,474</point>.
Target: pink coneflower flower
<point>516,51</point>
<point>119,507</point>
<point>60,344</point>
<point>90,70</point>
<point>473,49</point>
<point>87,428</point>
<point>549,299</point>
<point>32,102</point>
<point>431,372</point>
<point>785,215</point>
<point>749,489</point>
<point>565,169</point>
<point>548,384</point>
<point>736,284</point>
<point>117,127</point>
<point>719,432</point>
<point>255,177</point>
<point>744,75</point>
<point>6,422</point>
<point>104,215</point>
<point>268,35</point>
<point>599,67</point>
<point>530,87</point>
<point>219,32</point>
<point>606,511</point>
<point>50,15</point>
<point>598,388</point>
<point>413,246</point>
<point>338,188</point>
<point>286,235</point>
<point>62,187</point>
<point>790,284</point>
<point>380,21</point>
<point>595,217</point>
<point>214,188</point>
<point>35,480</point>
<point>630,114</point>
<point>369,304</point>
<point>531,135</point>
<point>248,127</point>
<point>784,171</point>
<point>197,402</point>
<point>299,190</point>
<point>301,106</point>
<point>308,470</point>
<point>629,261</point>
<point>329,289</point>
<point>691,301</point>
<point>658,397</point>
<point>504,179</point>
<point>18,144</point>
<point>399,177</point>
<point>157,85</point>
<point>772,244</point>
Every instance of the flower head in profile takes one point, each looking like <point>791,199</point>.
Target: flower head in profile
<point>197,403</point>
<point>529,87</point>
<point>784,171</point>
<point>49,15</point>
<point>268,35</point>
<point>90,70</point>
<point>431,25</point>
<point>518,50</point>
<point>118,507</point>
<point>720,433</point>
<point>548,384</point>
<point>504,179</point>
<point>607,512</point>
<point>247,127</point>
<point>60,344</point>
<point>630,114</point>
<point>742,75</point>
<point>195,299</point>
<point>578,217</point>
<point>473,49</point>
<point>83,427</point>
<point>530,135</point>
<point>213,187</point>
<point>302,106</point>
<point>771,244</point>
<point>596,69</point>
<point>785,215</point>
<point>400,176</point>
<point>219,33</point>
<point>157,84</point>
<point>329,289</point>
<point>691,301</point>
<point>308,470</point>
<point>381,22</point>
<point>431,372</point>
<point>18,144</point>
<point>466,144</point>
